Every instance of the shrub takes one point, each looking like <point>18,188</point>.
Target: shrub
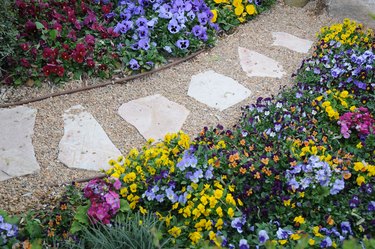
<point>8,34</point>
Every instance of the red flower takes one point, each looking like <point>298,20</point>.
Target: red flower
<point>72,35</point>
<point>24,62</point>
<point>24,46</point>
<point>50,53</point>
<point>60,71</point>
<point>47,53</point>
<point>30,27</point>
<point>80,49</point>
<point>65,56</point>
<point>106,9</point>
<point>57,26</point>
<point>65,46</point>
<point>34,52</point>
<point>78,58</point>
<point>90,62</point>
<point>102,67</point>
<point>47,70</point>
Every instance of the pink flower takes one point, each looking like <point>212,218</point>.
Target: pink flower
<point>113,200</point>
<point>117,184</point>
<point>90,40</point>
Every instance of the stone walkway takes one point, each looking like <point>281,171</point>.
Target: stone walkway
<point>85,145</point>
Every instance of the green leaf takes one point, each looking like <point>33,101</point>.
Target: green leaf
<point>76,227</point>
<point>124,205</point>
<point>39,25</point>
<point>34,229</point>
<point>81,215</point>
<point>36,244</point>
<point>53,34</point>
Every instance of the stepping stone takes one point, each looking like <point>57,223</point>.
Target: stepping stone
<point>85,145</point>
<point>17,157</point>
<point>291,42</point>
<point>217,90</point>
<point>359,10</point>
<point>256,64</point>
<point>154,116</point>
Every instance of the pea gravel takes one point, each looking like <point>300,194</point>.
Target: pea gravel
<point>36,191</point>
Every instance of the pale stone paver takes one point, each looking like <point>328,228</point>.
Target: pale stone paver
<point>85,145</point>
<point>256,64</point>
<point>17,157</point>
<point>154,116</point>
<point>217,90</point>
<point>359,10</point>
<point>291,42</point>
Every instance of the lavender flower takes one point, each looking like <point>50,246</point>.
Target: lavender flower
<point>243,244</point>
<point>326,242</point>
<point>371,206</point>
<point>182,44</point>
<point>283,234</point>
<point>338,185</point>
<point>237,223</point>
<point>133,63</point>
<point>345,228</point>
<point>188,160</point>
<point>171,195</point>
<point>263,236</point>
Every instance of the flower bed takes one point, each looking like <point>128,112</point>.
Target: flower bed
<point>297,171</point>
<point>62,40</point>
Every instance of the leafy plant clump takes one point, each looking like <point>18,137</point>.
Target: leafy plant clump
<point>297,170</point>
<point>8,34</point>
<point>63,40</point>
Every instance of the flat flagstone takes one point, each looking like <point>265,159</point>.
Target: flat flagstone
<point>85,145</point>
<point>217,90</point>
<point>256,64</point>
<point>17,157</point>
<point>154,116</point>
<point>291,42</point>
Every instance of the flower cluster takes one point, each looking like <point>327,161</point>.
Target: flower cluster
<point>316,172</point>
<point>360,120</point>
<point>347,33</point>
<point>185,24</point>
<point>7,231</point>
<point>105,202</point>
<point>61,40</point>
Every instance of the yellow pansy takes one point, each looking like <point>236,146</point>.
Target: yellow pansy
<point>250,9</point>
<point>130,177</point>
<point>219,224</point>
<point>214,17</point>
<point>230,212</point>
<point>299,219</point>
<point>239,10</point>
<point>218,193</point>
<point>219,211</point>
<point>175,231</point>
<point>295,236</point>
<point>311,242</point>
<point>133,188</point>
<point>360,180</point>
<point>195,237</point>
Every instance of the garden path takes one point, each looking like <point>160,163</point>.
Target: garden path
<point>74,136</point>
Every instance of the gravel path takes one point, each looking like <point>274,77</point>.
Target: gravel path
<point>33,191</point>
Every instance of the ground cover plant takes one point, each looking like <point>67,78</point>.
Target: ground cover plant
<point>297,171</point>
<point>63,40</point>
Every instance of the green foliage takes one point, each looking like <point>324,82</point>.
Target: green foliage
<point>8,32</point>
<point>133,232</point>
